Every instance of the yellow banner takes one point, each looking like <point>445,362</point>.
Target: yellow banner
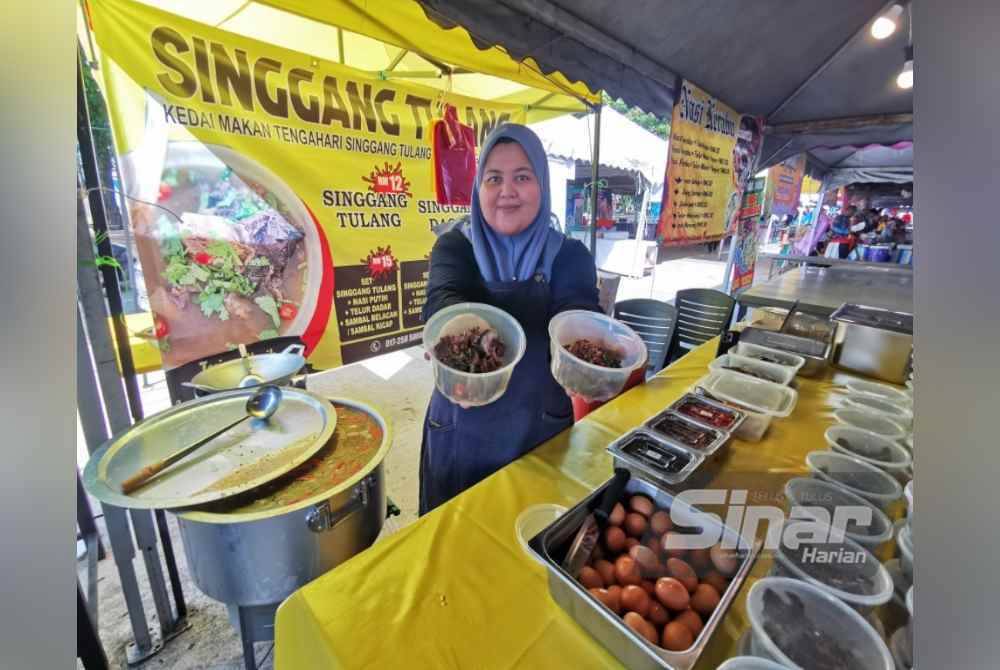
<point>293,196</point>
<point>705,168</point>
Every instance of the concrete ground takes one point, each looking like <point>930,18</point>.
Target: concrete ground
<point>399,384</point>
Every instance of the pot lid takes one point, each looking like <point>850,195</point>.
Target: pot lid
<point>250,371</point>
<point>244,457</point>
<point>358,445</point>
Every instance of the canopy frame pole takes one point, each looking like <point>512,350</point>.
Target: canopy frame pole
<point>340,44</point>
<point>595,163</point>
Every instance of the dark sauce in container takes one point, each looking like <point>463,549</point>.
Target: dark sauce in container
<point>658,456</point>
<point>684,432</point>
<point>706,413</point>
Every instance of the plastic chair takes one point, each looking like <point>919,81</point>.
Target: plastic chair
<point>701,315</point>
<point>653,321</point>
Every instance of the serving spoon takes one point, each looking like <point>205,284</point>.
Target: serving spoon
<point>261,405</point>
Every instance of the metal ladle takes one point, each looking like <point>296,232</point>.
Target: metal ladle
<point>261,405</point>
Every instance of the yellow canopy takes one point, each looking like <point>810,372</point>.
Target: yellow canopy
<point>394,39</point>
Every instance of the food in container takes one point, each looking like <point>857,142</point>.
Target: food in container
<point>641,451</point>
<point>647,620</point>
<point>465,342</point>
<point>770,355</point>
<point>855,475</point>
<point>708,413</point>
<point>814,352</point>
<point>478,349</point>
<point>595,353</point>
<point>880,405</point>
<point>760,396</point>
<point>754,367</point>
<point>869,447</point>
<point>819,500</point>
<point>581,377</point>
<point>842,568</point>
<point>675,428</point>
<point>890,393</point>
<point>870,421</point>
<point>801,626</point>
<point>806,325</point>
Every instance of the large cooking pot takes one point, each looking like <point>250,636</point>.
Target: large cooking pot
<point>259,548</point>
<point>248,371</point>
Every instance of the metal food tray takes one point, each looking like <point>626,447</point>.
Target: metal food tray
<point>630,648</point>
<point>740,415</point>
<point>817,353</point>
<point>639,467</point>
<point>716,444</point>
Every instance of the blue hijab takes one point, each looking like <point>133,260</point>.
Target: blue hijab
<point>521,256</point>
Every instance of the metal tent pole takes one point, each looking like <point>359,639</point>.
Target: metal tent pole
<point>114,303</point>
<point>594,174</point>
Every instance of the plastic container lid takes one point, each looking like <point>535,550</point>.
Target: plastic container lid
<point>874,388</point>
<point>855,475</point>
<point>870,421</point>
<point>869,447</point>
<point>772,372</point>
<point>468,388</point>
<point>533,520</point>
<point>590,381</point>
<point>751,663</point>
<point>880,405</point>
<point>790,617</point>
<point>808,494</point>
<point>756,394</point>
<point>908,492</point>
<point>778,356</point>
<point>864,583</point>
<point>909,600</point>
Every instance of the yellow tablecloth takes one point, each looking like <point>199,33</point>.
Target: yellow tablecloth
<point>455,589</point>
<point>145,354</point>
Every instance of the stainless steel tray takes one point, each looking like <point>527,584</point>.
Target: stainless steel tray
<point>740,417</point>
<point>649,467</point>
<point>631,649</point>
<point>721,438</point>
<point>817,353</point>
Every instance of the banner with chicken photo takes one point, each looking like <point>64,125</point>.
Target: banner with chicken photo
<point>273,195</point>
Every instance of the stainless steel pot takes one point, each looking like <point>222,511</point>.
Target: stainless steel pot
<point>248,371</point>
<point>260,558</point>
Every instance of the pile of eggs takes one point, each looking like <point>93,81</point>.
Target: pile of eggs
<point>663,593</point>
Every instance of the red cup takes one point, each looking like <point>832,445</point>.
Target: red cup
<point>583,407</point>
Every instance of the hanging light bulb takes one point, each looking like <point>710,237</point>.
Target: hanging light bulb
<point>885,25</point>
<point>905,77</point>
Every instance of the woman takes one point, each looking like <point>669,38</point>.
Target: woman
<point>507,255</point>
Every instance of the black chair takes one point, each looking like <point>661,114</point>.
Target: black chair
<point>701,315</point>
<point>653,321</point>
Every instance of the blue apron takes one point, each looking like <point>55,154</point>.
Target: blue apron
<point>463,446</point>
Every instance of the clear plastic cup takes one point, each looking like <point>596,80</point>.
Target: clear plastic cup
<point>809,494</point>
<point>842,568</point>
<point>870,421</point>
<point>583,379</point>
<point>904,540</point>
<point>856,476</point>
<point>751,663</point>
<point>796,623</point>
<point>880,405</point>
<point>889,392</point>
<point>869,447</point>
<point>532,521</point>
<point>470,389</point>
